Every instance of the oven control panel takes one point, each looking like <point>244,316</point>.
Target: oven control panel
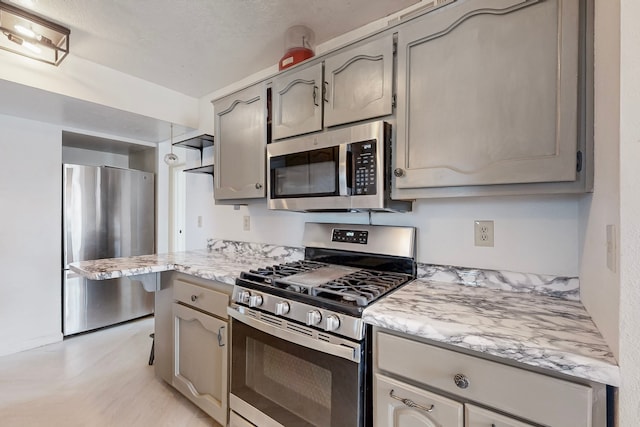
<point>350,236</point>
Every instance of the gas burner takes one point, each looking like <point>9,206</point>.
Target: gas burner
<point>268,274</point>
<point>362,286</point>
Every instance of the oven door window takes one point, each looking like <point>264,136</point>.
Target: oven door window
<point>307,174</point>
<point>292,384</point>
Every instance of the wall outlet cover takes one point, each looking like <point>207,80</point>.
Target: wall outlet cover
<point>483,233</point>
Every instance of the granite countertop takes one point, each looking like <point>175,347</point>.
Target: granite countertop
<point>536,330</point>
<point>221,266</point>
<point>540,331</point>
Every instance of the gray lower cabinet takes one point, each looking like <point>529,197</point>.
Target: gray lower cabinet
<point>480,417</point>
<point>398,404</point>
<point>241,144</point>
<point>413,377</point>
<point>488,93</point>
<point>191,340</point>
<point>236,420</point>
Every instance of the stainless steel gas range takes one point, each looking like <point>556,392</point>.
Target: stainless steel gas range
<point>300,354</point>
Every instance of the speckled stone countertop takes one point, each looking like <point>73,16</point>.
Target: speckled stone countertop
<point>507,315</point>
<point>223,261</point>
<point>536,330</point>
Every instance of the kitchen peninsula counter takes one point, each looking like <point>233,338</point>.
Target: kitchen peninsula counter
<point>535,330</point>
<point>222,266</point>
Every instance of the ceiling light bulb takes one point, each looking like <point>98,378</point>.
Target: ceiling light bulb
<point>25,31</point>
<point>15,39</point>
<point>32,47</point>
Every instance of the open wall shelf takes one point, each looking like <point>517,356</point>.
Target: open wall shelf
<point>198,143</point>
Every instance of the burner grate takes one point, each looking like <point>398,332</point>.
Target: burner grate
<point>278,271</point>
<point>362,286</point>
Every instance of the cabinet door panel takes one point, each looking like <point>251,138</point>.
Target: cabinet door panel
<point>479,417</point>
<point>200,360</point>
<point>487,94</point>
<point>297,102</point>
<point>240,147</point>
<point>391,412</point>
<point>359,82</point>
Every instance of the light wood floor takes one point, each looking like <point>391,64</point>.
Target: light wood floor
<point>97,379</point>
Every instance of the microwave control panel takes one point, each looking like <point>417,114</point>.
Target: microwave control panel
<point>364,167</point>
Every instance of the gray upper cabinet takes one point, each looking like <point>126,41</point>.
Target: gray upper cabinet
<point>488,93</point>
<point>359,82</point>
<point>297,102</point>
<point>240,148</point>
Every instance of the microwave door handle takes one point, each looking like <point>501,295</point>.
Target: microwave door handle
<point>342,170</point>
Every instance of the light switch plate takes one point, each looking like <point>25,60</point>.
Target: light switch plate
<point>483,233</point>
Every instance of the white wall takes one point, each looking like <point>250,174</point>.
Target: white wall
<point>629,213</point>
<point>81,156</point>
<point>599,285</point>
<point>30,214</point>
<point>532,234</point>
<point>79,78</point>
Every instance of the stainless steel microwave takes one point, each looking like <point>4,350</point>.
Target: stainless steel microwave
<point>341,170</point>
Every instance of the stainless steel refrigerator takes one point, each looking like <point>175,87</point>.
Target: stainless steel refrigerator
<point>107,212</point>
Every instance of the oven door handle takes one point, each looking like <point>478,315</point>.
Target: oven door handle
<point>350,352</point>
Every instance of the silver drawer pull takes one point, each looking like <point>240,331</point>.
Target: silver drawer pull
<point>194,298</point>
<point>410,403</point>
<point>220,339</point>
<point>461,380</point>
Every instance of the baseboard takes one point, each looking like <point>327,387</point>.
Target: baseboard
<point>16,347</point>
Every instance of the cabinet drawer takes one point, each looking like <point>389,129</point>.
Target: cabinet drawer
<point>208,300</point>
<point>236,420</point>
<point>479,417</point>
<point>536,397</point>
<point>398,404</point>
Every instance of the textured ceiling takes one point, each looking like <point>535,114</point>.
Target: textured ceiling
<point>198,46</point>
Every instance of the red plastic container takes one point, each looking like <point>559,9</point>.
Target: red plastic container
<point>298,45</point>
<point>294,56</point>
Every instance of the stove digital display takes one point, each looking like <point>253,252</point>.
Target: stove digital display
<point>350,236</point>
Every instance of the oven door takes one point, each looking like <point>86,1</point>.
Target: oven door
<point>284,378</point>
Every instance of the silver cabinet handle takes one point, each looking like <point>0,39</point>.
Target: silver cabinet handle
<point>315,96</point>
<point>398,172</point>
<point>325,89</point>
<point>220,342</point>
<point>410,403</point>
<point>258,186</point>
<point>194,298</point>
<point>461,380</point>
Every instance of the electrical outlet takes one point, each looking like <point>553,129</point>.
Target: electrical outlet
<point>483,233</point>
<point>246,223</point>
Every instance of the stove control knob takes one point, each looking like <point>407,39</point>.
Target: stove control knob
<point>243,297</point>
<point>282,308</point>
<point>313,318</point>
<point>333,323</point>
<point>255,301</point>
